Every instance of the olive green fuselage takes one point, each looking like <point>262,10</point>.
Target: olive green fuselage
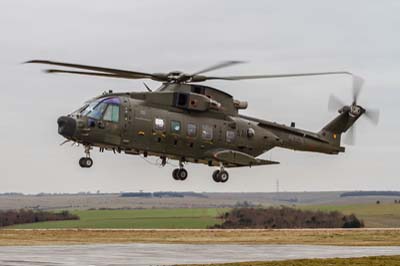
<point>137,132</point>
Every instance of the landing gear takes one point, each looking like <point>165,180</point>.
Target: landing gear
<point>220,176</point>
<point>180,173</point>
<point>86,162</point>
<point>215,175</point>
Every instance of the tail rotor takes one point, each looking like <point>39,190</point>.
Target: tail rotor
<point>372,115</point>
<point>354,111</point>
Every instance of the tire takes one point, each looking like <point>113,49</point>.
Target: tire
<point>182,174</point>
<point>81,162</point>
<point>175,174</point>
<point>215,176</point>
<point>223,176</point>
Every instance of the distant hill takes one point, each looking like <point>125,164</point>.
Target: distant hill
<point>182,199</point>
<point>162,194</point>
<point>370,193</point>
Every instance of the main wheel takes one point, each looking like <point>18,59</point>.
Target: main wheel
<point>223,176</point>
<point>215,176</point>
<point>175,174</point>
<point>182,174</point>
<point>81,162</point>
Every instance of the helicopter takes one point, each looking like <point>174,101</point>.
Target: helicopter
<point>192,123</point>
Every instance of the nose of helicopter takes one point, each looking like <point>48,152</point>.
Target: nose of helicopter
<point>66,126</point>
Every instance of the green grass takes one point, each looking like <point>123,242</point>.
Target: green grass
<point>384,215</point>
<point>148,218</point>
<point>374,215</point>
<point>366,261</point>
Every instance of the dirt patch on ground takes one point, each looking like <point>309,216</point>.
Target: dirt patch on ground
<point>350,237</point>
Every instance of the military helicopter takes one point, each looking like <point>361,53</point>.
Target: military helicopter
<point>188,122</point>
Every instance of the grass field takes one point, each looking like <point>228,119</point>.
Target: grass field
<point>370,261</point>
<point>385,215</point>
<point>374,216</point>
<point>146,218</point>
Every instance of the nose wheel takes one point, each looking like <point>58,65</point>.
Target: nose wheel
<point>86,162</point>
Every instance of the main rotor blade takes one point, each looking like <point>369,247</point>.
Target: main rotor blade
<point>349,137</point>
<point>357,86</point>
<point>92,74</point>
<point>121,72</point>
<point>334,103</point>
<point>281,75</point>
<point>372,115</point>
<point>218,66</point>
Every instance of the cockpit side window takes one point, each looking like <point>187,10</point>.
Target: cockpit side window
<point>112,113</point>
<point>98,111</point>
<point>97,108</point>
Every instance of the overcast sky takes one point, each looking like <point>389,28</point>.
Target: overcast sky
<point>273,36</point>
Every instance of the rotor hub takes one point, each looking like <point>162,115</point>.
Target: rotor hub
<point>356,110</point>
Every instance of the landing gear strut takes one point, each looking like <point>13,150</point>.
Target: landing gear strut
<point>86,162</point>
<point>180,173</point>
<point>220,176</point>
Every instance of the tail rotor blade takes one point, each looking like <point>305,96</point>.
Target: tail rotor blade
<point>334,103</point>
<point>372,115</point>
<point>357,86</point>
<point>349,138</point>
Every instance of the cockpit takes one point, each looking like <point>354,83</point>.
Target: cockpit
<point>106,109</point>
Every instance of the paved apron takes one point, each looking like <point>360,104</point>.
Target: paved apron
<point>164,254</point>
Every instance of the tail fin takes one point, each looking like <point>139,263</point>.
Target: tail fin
<point>334,129</point>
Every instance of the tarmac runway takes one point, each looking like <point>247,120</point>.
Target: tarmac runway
<point>167,254</point>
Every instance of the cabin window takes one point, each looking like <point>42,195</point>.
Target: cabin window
<point>112,113</point>
<point>175,126</point>
<point>207,132</point>
<point>230,136</point>
<point>191,130</point>
<point>159,124</point>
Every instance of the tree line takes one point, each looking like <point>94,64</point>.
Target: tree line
<point>12,217</point>
<point>286,217</point>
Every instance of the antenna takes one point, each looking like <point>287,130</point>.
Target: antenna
<point>277,186</point>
